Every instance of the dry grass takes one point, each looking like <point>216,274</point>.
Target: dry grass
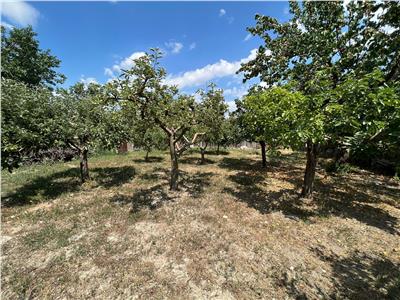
<point>234,231</point>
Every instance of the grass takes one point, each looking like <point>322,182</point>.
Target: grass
<point>233,231</point>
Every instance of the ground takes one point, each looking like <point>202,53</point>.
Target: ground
<point>233,231</point>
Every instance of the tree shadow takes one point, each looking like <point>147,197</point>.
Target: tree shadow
<point>52,186</point>
<point>150,198</point>
<point>157,173</point>
<point>355,204</point>
<point>155,196</point>
<point>195,184</point>
<point>115,176</point>
<point>241,164</point>
<point>362,276</point>
<point>150,159</point>
<point>346,198</point>
<point>190,160</point>
<point>215,152</point>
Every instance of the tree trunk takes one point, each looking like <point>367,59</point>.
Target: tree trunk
<point>84,165</point>
<point>174,165</point>
<point>218,149</point>
<point>147,155</point>
<point>203,147</point>
<point>309,175</point>
<point>263,154</point>
<point>202,151</point>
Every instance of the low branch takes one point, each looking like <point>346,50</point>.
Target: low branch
<point>182,134</point>
<point>188,143</point>
<point>71,144</point>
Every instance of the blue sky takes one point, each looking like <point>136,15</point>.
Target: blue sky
<point>202,41</point>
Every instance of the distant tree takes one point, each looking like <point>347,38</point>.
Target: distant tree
<point>22,59</point>
<point>148,136</point>
<point>321,44</point>
<point>86,120</point>
<point>234,131</point>
<point>211,117</point>
<point>175,114</point>
<point>28,122</point>
<point>268,117</point>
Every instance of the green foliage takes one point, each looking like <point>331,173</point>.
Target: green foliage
<point>143,85</point>
<point>29,121</point>
<point>87,120</point>
<point>147,136</point>
<point>365,111</point>
<point>273,116</point>
<point>211,115</point>
<point>345,61</point>
<point>22,59</point>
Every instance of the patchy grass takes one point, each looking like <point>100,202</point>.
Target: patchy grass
<point>233,231</point>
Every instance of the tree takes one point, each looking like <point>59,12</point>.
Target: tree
<point>368,122</point>
<point>323,42</point>
<point>28,122</point>
<point>147,136</point>
<point>211,117</point>
<point>22,59</point>
<point>268,117</point>
<point>87,120</point>
<point>175,114</point>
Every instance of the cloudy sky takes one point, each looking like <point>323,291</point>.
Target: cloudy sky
<point>202,41</point>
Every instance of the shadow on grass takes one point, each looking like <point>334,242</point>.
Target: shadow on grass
<point>195,160</point>
<point>241,164</point>
<point>195,184</point>
<point>362,276</point>
<point>158,173</point>
<point>150,159</point>
<point>347,198</point>
<point>153,197</point>
<point>215,152</point>
<point>50,187</point>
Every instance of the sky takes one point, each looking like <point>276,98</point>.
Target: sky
<point>202,42</point>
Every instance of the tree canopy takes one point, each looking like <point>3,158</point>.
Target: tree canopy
<point>22,60</point>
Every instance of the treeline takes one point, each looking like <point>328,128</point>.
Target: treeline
<point>137,107</point>
<point>329,78</point>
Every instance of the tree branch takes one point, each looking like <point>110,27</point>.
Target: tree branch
<point>188,143</point>
<point>71,144</point>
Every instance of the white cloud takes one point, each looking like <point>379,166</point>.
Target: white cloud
<point>174,46</point>
<point>301,26</point>
<point>236,92</point>
<point>388,29</point>
<point>88,80</point>
<point>248,37</point>
<point>286,11</point>
<point>209,72</point>
<point>108,72</point>
<point>377,19</point>
<point>222,12</point>
<point>20,13</point>
<point>6,25</point>
<point>192,46</point>
<point>231,105</point>
<point>377,15</point>
<point>124,64</point>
